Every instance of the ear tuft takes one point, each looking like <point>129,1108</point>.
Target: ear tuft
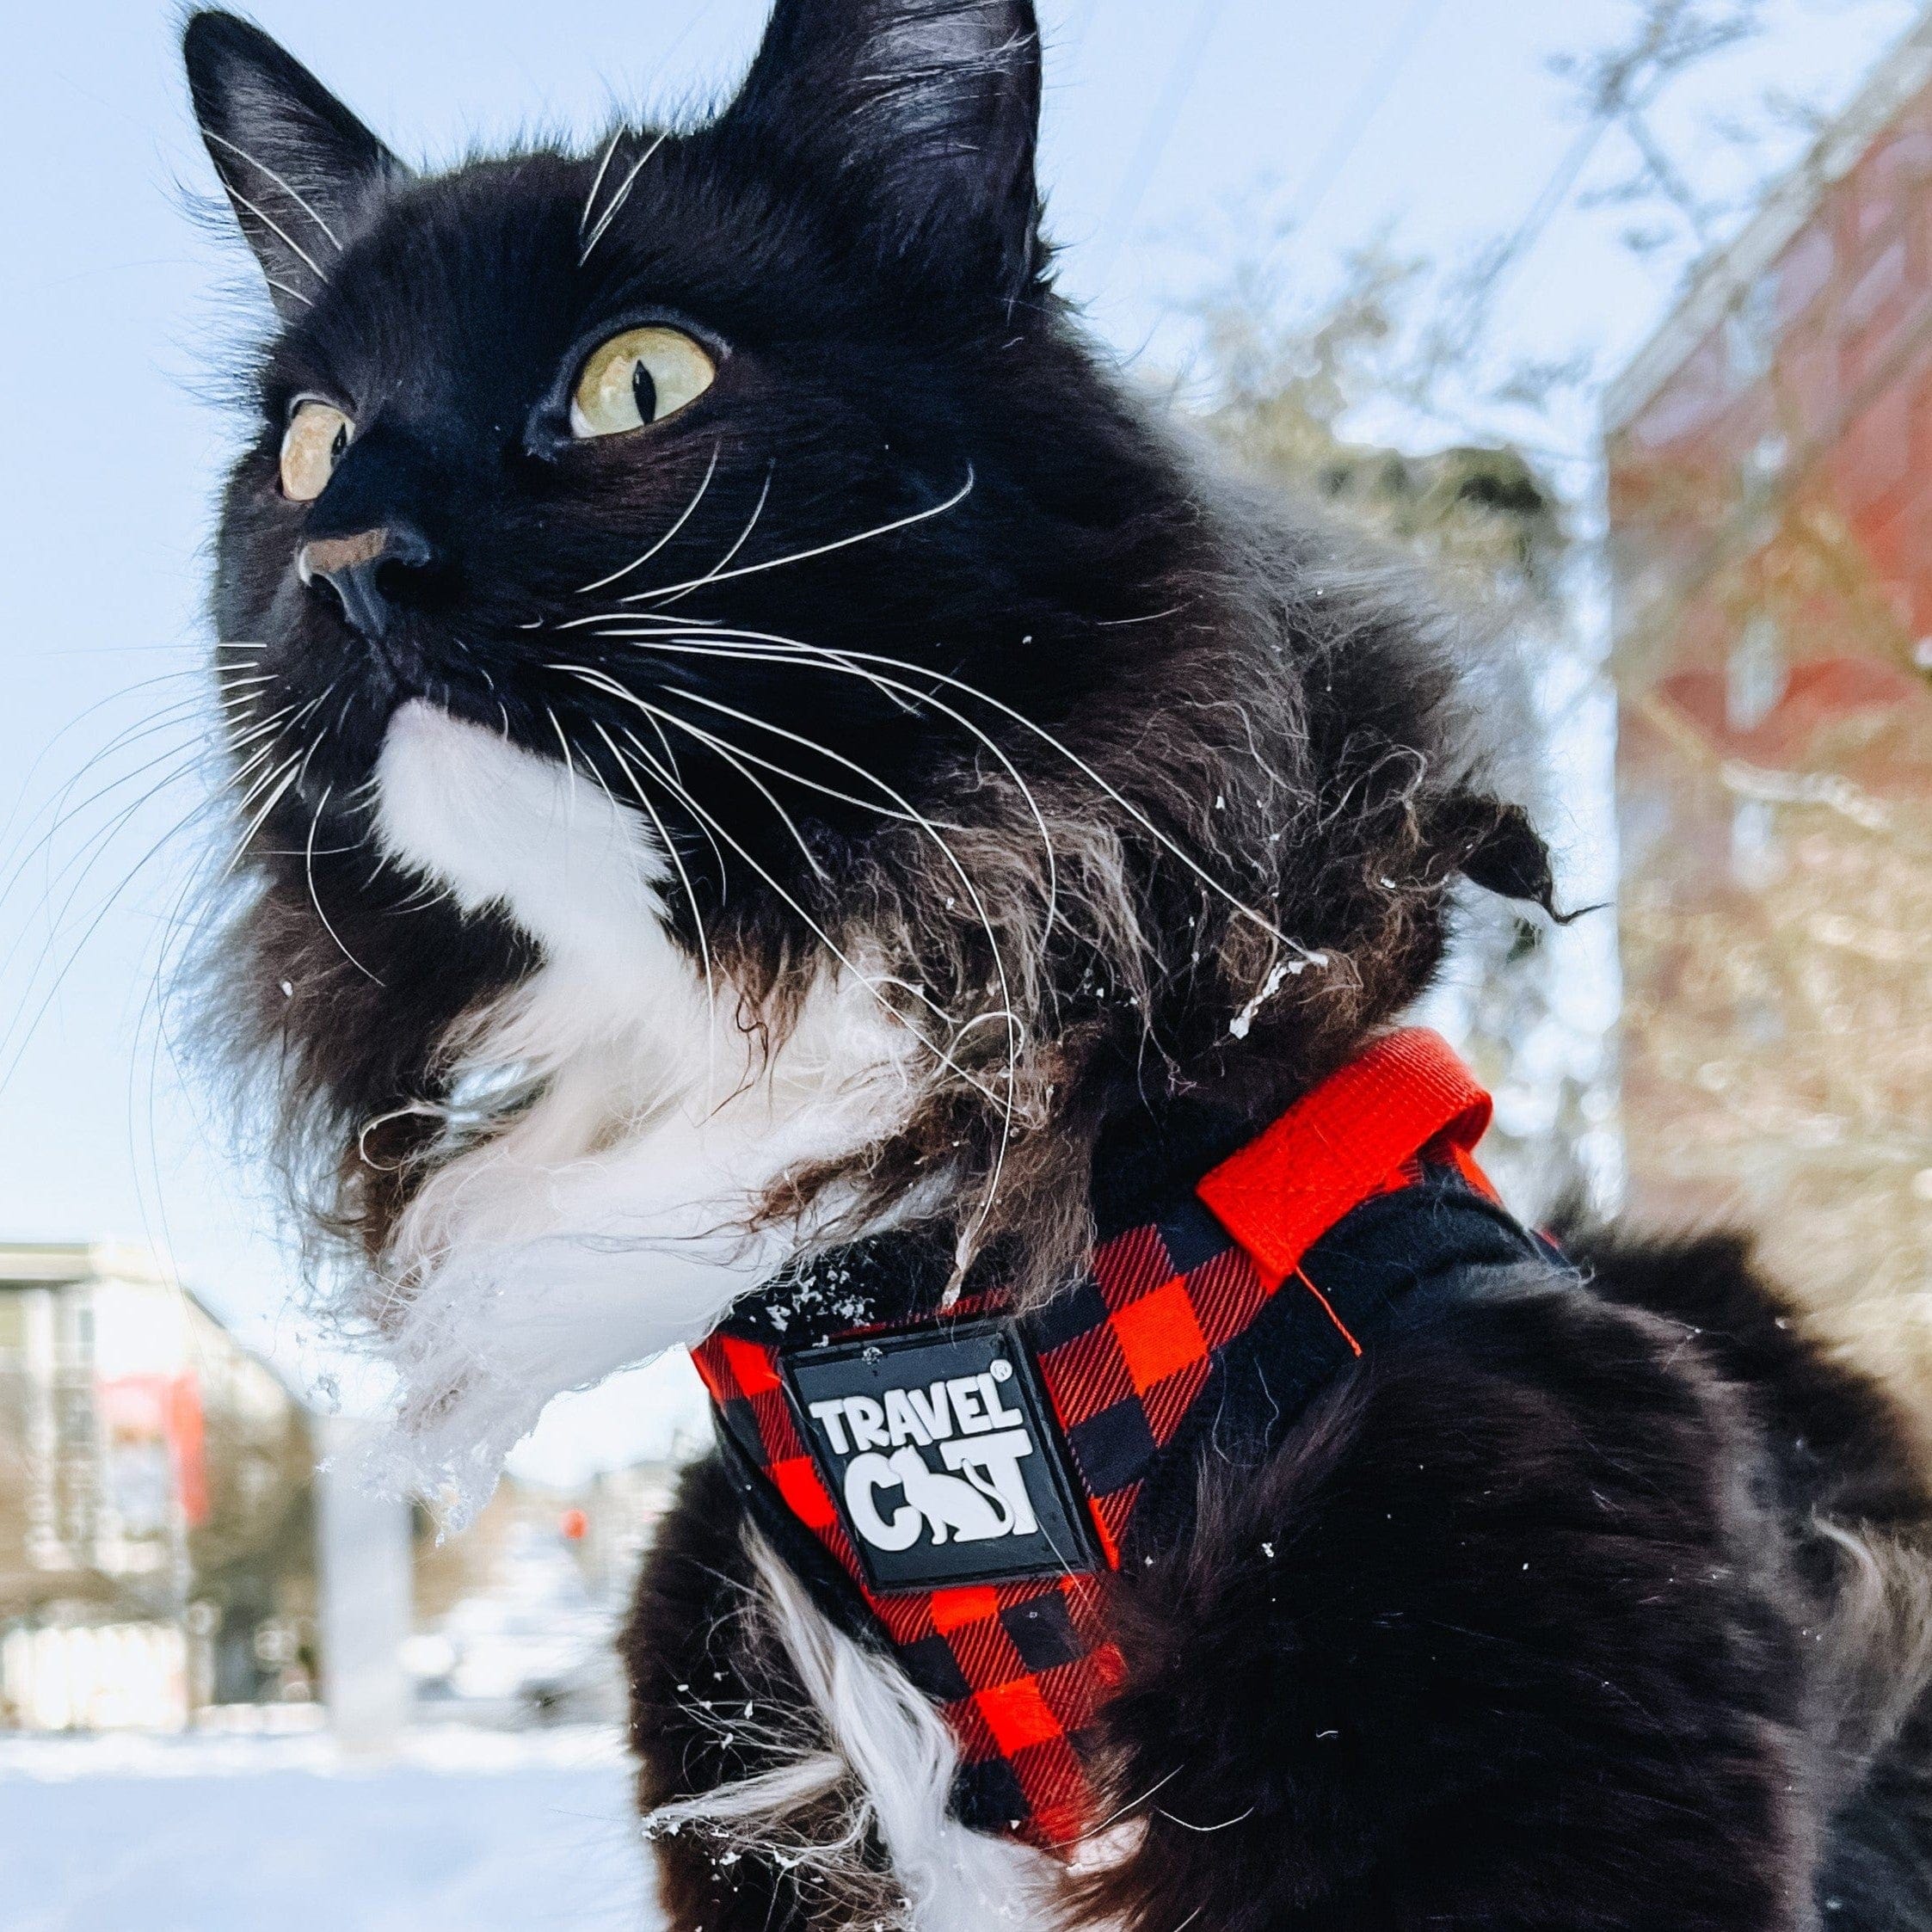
<point>1494,846</point>
<point>930,108</point>
<point>301,172</point>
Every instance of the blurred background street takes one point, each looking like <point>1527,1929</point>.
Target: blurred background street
<point>459,1829</point>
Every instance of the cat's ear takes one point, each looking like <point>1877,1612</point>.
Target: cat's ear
<point>931,108</point>
<point>301,171</point>
<point>1495,845</point>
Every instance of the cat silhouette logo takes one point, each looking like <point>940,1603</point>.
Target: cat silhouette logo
<point>940,1450</point>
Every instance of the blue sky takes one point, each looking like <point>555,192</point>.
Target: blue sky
<point>1169,122</point>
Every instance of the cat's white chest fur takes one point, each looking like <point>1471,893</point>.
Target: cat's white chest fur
<point>611,1219</point>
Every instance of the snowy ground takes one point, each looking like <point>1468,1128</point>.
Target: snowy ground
<point>461,1831</point>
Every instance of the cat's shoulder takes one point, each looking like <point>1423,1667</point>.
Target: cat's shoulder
<point>1511,1570</point>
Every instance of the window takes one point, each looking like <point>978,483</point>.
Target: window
<point>1754,851</point>
<point>1755,673</point>
<point>1762,470</point>
<point>1750,333</point>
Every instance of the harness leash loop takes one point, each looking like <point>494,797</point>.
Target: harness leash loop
<point>1344,1144</point>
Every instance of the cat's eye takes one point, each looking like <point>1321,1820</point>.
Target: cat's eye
<point>312,445</point>
<point>638,377</point>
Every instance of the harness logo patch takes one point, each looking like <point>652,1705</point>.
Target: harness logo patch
<point>940,1450</point>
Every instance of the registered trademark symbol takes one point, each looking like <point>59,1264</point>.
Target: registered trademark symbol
<point>1002,1371</point>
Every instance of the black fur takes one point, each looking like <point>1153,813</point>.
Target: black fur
<point>1532,1623</point>
<point>1499,1642</point>
<point>1550,1635</point>
<point>1233,728</point>
<point>1833,1451</point>
<point>691,1671</point>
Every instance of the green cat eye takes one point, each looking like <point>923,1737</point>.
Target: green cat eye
<point>637,377</point>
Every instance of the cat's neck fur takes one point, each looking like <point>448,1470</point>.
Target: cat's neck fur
<point>625,1206</point>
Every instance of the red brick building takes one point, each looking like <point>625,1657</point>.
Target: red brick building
<point>1770,497</point>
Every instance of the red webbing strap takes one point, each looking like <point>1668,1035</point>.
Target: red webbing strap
<point>1336,1148</point>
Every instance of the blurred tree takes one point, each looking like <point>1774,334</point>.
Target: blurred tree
<point>1489,497</point>
<point>1281,390</point>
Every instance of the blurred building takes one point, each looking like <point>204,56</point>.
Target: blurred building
<point>1770,504</point>
<point>156,1539</point>
<point>160,1561</point>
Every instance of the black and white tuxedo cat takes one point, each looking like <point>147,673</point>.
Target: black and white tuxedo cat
<point>758,760</point>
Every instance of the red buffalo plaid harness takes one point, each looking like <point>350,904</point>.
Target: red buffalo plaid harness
<point>1252,1274</point>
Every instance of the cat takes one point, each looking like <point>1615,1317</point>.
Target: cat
<point>757,759</point>
<point>950,1505</point>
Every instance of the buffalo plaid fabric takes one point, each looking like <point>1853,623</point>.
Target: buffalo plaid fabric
<point>1021,1669</point>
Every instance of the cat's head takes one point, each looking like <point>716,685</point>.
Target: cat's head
<point>717,558</point>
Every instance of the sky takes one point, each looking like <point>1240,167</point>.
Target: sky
<point>1176,133</point>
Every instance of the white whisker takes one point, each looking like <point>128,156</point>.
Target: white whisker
<point>823,549</point>
<point>271,773</point>
<point>62,809</point>
<point>294,195</point>
<point>740,765</point>
<point>78,867</point>
<point>791,650</point>
<point>315,897</point>
<point>24,1026</point>
<point>320,739</point>
<point>596,181</point>
<point>872,983</point>
<point>1303,953</point>
<point>676,779</point>
<point>1014,1031</point>
<point>619,198</point>
<point>294,719</point>
<point>683,794</point>
<point>569,762</point>
<point>294,247</point>
<point>968,1245</point>
<point>691,510</point>
<point>292,771</point>
<point>717,573</point>
<point>254,757</point>
<point>241,738</point>
<point>671,852</point>
<point>908,816</point>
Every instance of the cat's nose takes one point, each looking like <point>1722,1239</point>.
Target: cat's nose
<point>368,572</point>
